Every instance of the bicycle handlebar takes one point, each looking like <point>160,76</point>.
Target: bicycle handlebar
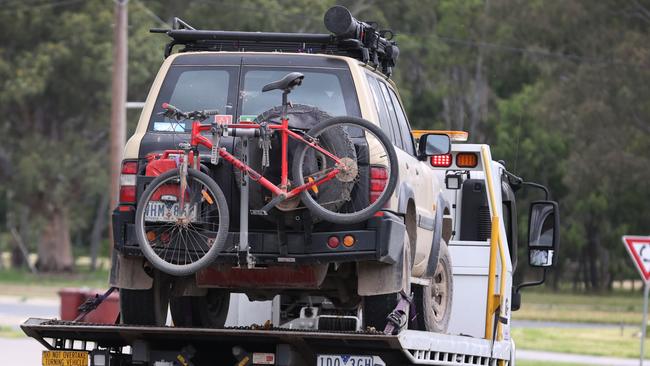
<point>174,112</point>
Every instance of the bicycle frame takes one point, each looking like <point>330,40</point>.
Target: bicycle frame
<point>283,128</point>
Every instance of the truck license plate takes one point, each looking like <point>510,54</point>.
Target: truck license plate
<point>161,211</point>
<point>65,358</point>
<point>349,360</point>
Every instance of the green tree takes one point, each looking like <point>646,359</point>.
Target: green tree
<point>55,74</point>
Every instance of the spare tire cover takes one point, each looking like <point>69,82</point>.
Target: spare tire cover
<point>302,117</point>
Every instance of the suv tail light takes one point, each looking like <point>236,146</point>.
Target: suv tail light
<point>378,182</point>
<point>127,181</point>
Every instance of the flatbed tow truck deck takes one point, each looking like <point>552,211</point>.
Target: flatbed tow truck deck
<point>478,333</point>
<point>151,345</point>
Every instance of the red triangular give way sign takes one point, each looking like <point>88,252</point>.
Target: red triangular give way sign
<point>639,249</point>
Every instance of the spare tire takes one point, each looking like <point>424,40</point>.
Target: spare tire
<point>302,117</point>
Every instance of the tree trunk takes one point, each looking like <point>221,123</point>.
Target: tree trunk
<point>593,252</point>
<point>460,99</point>
<point>98,228</point>
<point>585,269</point>
<point>446,114</point>
<point>17,259</point>
<point>18,221</point>
<point>477,103</point>
<point>576,276</point>
<point>55,249</point>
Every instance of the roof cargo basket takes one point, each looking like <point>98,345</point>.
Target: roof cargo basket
<point>350,37</point>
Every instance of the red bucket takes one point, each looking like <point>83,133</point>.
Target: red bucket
<point>106,312</point>
<point>71,298</point>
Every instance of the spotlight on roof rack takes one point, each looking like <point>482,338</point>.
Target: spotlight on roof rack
<point>340,21</point>
<point>376,45</point>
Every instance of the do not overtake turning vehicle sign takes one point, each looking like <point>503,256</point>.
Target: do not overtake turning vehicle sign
<point>639,249</point>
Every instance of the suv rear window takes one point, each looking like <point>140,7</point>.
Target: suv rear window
<point>195,88</point>
<point>219,87</point>
<point>329,90</point>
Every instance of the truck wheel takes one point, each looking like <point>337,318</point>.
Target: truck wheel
<point>209,311</point>
<point>145,307</point>
<point>434,302</point>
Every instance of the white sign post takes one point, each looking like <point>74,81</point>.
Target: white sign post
<point>639,249</point>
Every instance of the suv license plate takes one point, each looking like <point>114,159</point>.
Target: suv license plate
<point>65,358</point>
<point>349,360</point>
<point>161,211</point>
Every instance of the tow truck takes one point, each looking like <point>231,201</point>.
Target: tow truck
<point>483,248</point>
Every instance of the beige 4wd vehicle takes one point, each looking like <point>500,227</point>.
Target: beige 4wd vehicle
<point>289,252</point>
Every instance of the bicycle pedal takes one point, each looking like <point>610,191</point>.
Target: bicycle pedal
<point>259,213</point>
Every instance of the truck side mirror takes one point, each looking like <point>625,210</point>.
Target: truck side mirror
<point>431,144</point>
<point>543,233</point>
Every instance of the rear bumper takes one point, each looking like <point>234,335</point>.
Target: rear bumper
<point>381,240</point>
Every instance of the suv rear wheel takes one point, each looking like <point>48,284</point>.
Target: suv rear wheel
<point>146,307</point>
<point>377,308</point>
<point>209,311</point>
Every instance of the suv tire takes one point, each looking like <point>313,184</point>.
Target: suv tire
<point>303,117</point>
<point>377,308</point>
<point>434,302</point>
<point>209,311</point>
<point>145,307</point>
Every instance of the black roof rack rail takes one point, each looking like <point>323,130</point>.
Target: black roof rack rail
<point>351,38</point>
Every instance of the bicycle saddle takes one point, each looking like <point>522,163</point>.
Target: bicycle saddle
<point>288,82</point>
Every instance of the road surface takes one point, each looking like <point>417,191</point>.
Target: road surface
<point>15,310</point>
<point>21,351</point>
<point>577,359</point>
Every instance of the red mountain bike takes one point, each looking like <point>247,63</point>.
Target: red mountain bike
<point>182,216</point>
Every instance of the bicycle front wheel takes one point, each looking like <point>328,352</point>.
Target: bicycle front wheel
<point>367,170</point>
<point>182,240</point>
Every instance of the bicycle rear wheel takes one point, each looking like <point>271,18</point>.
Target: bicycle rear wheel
<point>182,240</point>
<point>367,174</point>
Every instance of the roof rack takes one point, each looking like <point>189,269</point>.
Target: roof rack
<point>350,37</point>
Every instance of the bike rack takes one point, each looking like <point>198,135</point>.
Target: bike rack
<point>243,246</point>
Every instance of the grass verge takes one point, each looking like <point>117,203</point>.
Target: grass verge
<point>614,308</point>
<point>609,342</point>
<point>542,363</point>
<point>9,332</point>
<point>25,284</point>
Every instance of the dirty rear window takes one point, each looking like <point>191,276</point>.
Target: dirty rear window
<point>240,94</point>
<point>330,90</point>
<point>195,88</point>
